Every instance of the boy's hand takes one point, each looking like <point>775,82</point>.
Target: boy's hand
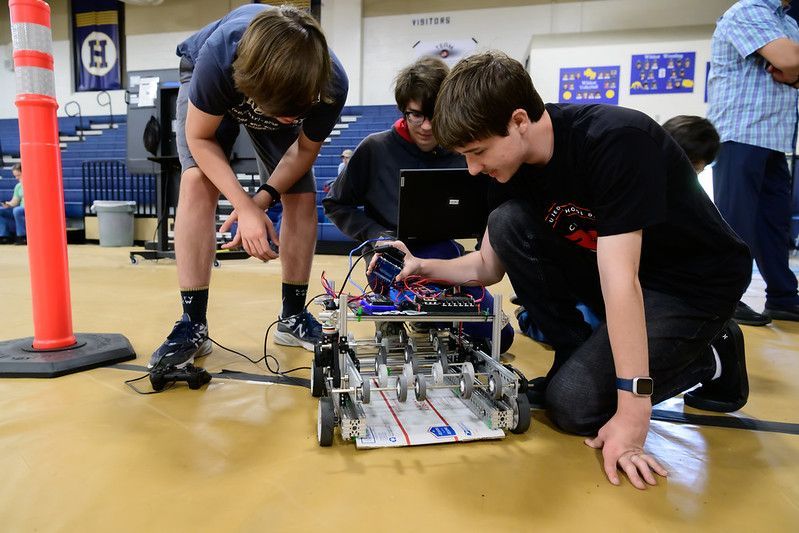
<point>262,199</point>
<point>227,224</point>
<point>412,264</point>
<point>254,233</point>
<point>622,442</point>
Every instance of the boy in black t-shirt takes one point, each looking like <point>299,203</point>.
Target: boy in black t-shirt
<point>268,69</point>
<point>598,204</point>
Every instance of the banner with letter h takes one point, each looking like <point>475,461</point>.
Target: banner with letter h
<point>96,30</point>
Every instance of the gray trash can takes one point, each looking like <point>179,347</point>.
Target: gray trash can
<point>115,222</point>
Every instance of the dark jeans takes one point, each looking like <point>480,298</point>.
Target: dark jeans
<point>12,221</point>
<point>550,275</point>
<point>752,190</point>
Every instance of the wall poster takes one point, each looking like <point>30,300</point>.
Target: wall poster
<point>662,73</point>
<point>589,85</point>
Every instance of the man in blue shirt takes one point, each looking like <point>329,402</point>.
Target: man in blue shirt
<point>752,100</point>
<point>270,70</point>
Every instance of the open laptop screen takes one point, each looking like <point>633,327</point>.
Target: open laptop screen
<point>440,204</point>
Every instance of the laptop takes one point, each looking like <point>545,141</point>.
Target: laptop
<point>441,204</point>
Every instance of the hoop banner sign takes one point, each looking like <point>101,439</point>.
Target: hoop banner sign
<point>450,51</point>
<point>662,73</point>
<point>95,33</point>
<point>589,85</point>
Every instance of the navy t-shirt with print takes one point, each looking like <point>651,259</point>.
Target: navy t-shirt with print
<point>615,170</point>
<point>212,51</point>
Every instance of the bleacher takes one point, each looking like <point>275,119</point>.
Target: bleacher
<point>356,122</point>
<point>95,140</point>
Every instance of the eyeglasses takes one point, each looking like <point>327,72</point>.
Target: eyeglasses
<point>415,118</point>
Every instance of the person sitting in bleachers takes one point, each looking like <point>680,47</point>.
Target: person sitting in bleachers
<point>12,213</point>
<point>363,201</point>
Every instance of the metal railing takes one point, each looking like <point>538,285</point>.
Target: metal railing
<point>109,180</point>
<point>108,103</point>
<point>75,114</point>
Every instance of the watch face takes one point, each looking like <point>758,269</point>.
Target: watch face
<point>643,386</point>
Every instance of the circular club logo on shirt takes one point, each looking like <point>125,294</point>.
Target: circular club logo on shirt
<point>98,53</point>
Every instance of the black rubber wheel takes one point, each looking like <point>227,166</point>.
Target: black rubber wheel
<point>326,422</point>
<point>157,381</point>
<point>194,382</point>
<point>217,264</point>
<point>133,260</point>
<point>317,381</point>
<point>521,415</point>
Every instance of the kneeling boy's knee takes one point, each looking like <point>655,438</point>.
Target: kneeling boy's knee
<point>573,413</point>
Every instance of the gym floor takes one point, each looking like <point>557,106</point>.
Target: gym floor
<point>84,452</point>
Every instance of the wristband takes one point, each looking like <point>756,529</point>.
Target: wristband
<point>272,192</point>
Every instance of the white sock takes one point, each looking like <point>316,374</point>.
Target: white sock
<point>717,375</point>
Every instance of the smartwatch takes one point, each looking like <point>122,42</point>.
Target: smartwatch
<point>640,386</point>
<point>272,192</point>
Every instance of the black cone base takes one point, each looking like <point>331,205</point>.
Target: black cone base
<point>19,360</point>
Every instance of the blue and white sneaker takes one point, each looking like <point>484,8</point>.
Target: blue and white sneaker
<point>187,341</point>
<point>300,330</point>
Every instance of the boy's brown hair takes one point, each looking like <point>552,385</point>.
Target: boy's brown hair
<point>421,82</point>
<point>17,167</point>
<point>282,62</point>
<point>696,136</point>
<point>479,97</point>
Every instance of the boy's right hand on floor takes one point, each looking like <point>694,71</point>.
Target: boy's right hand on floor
<point>254,233</point>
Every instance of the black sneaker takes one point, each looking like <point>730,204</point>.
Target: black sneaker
<point>730,391</point>
<point>301,330</point>
<point>187,341</point>
<point>790,312</point>
<point>747,316</point>
<point>537,392</point>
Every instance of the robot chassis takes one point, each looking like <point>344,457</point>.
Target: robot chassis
<point>343,370</point>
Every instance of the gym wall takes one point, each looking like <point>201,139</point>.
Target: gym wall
<point>373,41</point>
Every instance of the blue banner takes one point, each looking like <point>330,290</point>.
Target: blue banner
<point>96,47</point>
<point>662,73</point>
<point>589,85</point>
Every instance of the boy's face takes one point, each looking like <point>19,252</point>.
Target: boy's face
<point>17,174</point>
<point>499,157</point>
<point>419,127</point>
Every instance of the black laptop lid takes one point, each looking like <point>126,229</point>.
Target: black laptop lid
<point>440,204</point>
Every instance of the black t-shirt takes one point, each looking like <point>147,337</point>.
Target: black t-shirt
<point>212,51</point>
<point>614,171</point>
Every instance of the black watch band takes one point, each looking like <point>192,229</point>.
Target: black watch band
<point>640,386</point>
<point>272,192</point>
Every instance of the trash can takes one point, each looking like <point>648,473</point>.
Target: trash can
<point>115,222</point>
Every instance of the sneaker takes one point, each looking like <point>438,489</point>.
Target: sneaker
<point>730,391</point>
<point>422,328</point>
<point>537,392</point>
<point>187,341</point>
<point>790,312</point>
<point>747,316</point>
<point>386,330</point>
<point>300,330</point>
